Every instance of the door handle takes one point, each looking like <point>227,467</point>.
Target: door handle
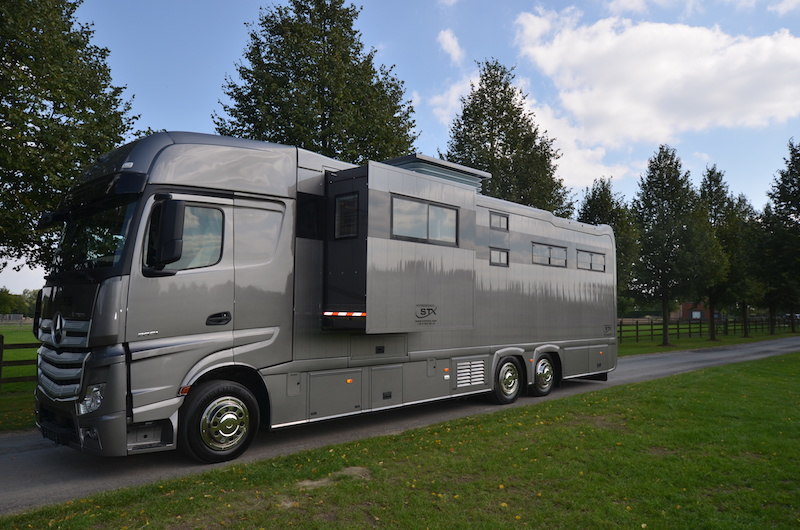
<point>219,319</point>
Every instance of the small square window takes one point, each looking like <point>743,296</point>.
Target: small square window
<point>498,257</point>
<point>346,216</point>
<point>498,221</point>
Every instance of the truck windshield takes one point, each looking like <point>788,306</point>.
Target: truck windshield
<point>94,236</point>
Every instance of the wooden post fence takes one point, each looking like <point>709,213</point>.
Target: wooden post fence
<point>23,362</point>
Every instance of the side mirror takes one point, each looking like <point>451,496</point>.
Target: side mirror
<point>170,229</point>
<point>166,234</point>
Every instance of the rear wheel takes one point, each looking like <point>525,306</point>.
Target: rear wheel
<point>507,381</point>
<point>218,421</point>
<point>544,375</point>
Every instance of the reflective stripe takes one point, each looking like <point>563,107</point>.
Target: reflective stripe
<point>343,314</point>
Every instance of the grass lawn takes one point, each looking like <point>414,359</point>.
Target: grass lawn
<point>629,347</point>
<point>715,448</point>
<point>16,399</point>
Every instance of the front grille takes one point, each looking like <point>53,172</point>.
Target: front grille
<point>75,333</point>
<point>469,373</point>
<point>60,373</point>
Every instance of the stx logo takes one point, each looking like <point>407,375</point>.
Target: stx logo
<point>425,311</point>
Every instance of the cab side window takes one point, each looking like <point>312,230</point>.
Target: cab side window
<point>202,238</point>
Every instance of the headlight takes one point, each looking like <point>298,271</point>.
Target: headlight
<point>92,399</point>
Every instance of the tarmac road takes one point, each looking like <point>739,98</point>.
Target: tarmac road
<point>35,472</point>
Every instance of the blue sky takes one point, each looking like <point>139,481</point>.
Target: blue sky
<point>609,80</point>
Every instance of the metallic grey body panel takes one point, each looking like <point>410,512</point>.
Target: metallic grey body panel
<point>226,168</point>
<point>264,278</point>
<point>411,286</point>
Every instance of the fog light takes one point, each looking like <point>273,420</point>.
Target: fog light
<point>92,399</point>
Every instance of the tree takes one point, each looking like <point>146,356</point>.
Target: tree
<point>495,133</point>
<point>739,236</point>
<point>780,224</point>
<point>601,206</point>
<point>58,112</point>
<point>661,205</point>
<point>717,203</point>
<point>307,81</point>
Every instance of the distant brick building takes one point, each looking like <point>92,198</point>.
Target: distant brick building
<point>690,311</point>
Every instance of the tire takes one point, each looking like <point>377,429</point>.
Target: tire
<point>218,421</point>
<point>508,381</point>
<point>544,376</point>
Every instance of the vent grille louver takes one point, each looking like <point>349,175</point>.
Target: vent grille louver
<point>470,373</point>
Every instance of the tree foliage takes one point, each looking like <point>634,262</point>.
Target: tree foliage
<point>779,245</point>
<point>307,81</point>
<point>19,304</point>
<point>495,133</point>
<point>717,204</point>
<point>661,205</point>
<point>58,111</point>
<point>602,206</point>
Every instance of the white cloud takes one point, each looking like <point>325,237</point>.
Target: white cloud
<point>648,82</point>
<point>580,163</point>
<point>447,104</point>
<point>448,3</point>
<point>785,6</point>
<point>618,7</point>
<point>449,43</point>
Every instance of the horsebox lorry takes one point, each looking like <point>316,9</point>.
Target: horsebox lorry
<point>205,287</point>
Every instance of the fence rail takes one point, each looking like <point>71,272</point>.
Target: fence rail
<point>650,329</point>
<point>628,329</point>
<point>22,362</point>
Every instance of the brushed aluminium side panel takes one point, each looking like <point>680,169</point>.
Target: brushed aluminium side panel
<point>271,170</point>
<point>418,287</point>
<point>264,277</point>
<point>412,286</point>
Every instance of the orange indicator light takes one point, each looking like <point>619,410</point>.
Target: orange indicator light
<point>348,381</point>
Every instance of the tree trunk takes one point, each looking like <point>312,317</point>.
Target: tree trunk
<point>712,323</point>
<point>665,321</point>
<point>745,320</point>
<point>772,312</point>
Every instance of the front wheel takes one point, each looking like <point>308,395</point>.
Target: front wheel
<point>544,375</point>
<point>218,421</point>
<point>507,381</point>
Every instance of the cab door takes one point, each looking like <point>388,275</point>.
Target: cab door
<point>182,312</point>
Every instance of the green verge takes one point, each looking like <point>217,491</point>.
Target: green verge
<point>716,448</point>
<point>630,347</point>
<point>16,399</point>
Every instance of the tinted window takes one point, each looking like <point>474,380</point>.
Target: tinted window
<point>424,222</point>
<point>202,238</point>
<point>346,216</point>
<point>498,221</point>
<point>498,257</point>
<point>549,255</point>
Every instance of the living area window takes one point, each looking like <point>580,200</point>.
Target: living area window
<point>552,255</point>
<point>425,222</point>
